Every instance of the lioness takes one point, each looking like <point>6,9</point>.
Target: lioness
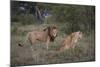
<point>71,40</point>
<point>46,35</point>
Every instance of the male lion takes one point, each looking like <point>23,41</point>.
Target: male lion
<point>47,35</point>
<point>71,40</point>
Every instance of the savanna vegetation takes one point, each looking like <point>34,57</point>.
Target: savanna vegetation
<point>28,16</point>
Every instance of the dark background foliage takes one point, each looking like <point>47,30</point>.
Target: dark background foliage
<point>75,17</point>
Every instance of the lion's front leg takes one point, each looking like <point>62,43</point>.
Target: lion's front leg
<point>47,43</point>
<point>73,46</point>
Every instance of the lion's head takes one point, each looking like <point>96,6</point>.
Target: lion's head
<point>52,32</point>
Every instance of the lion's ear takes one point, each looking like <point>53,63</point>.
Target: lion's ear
<point>55,27</point>
<point>45,29</point>
<point>48,28</point>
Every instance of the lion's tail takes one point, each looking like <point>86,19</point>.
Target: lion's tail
<point>25,41</point>
<point>19,44</point>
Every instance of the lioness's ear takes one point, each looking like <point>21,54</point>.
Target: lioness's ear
<point>81,33</point>
<point>72,35</point>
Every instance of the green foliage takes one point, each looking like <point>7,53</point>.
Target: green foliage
<point>25,19</point>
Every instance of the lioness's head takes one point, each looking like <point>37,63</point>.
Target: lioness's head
<point>77,35</point>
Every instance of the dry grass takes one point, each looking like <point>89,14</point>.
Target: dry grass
<point>84,51</point>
